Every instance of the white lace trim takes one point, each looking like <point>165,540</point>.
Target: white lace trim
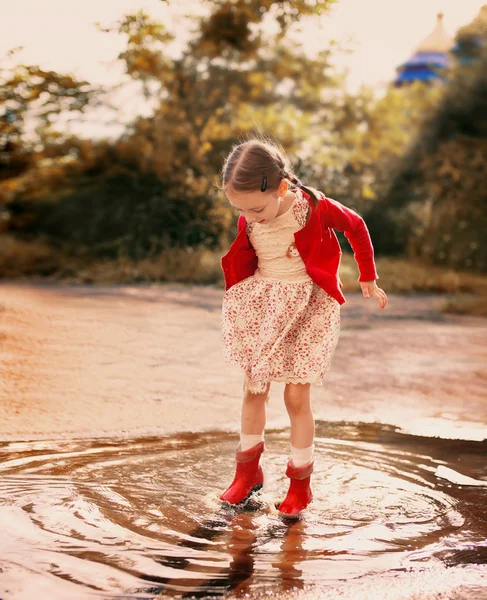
<point>275,246</point>
<point>259,387</point>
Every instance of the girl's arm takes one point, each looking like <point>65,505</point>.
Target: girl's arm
<point>344,219</point>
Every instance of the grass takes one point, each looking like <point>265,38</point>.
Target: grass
<point>26,259</point>
<point>196,267</point>
<point>475,306</point>
<point>21,259</point>
<point>466,292</point>
<point>402,276</point>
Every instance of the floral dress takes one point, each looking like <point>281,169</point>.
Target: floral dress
<point>278,325</point>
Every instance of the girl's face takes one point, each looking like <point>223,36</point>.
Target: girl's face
<point>259,207</point>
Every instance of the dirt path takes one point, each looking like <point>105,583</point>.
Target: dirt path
<point>83,360</point>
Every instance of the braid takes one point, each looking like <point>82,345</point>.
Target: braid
<point>314,194</point>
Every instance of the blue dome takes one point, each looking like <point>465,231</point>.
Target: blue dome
<point>429,58</point>
<point>417,74</point>
<point>435,59</point>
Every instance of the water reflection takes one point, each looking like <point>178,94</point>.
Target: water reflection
<point>242,537</point>
<point>139,518</point>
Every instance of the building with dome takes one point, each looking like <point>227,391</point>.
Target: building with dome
<point>430,58</point>
<point>438,51</point>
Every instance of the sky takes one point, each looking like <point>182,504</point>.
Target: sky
<point>386,32</point>
<point>60,34</point>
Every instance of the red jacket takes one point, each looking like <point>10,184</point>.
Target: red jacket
<point>317,245</point>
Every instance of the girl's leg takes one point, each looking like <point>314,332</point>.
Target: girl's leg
<point>249,476</point>
<point>253,413</point>
<point>297,398</point>
<point>300,467</point>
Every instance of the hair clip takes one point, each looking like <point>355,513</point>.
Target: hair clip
<point>298,183</point>
<point>263,186</point>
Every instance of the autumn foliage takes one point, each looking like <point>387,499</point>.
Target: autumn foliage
<point>412,161</point>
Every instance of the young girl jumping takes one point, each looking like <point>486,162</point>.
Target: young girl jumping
<point>281,309</point>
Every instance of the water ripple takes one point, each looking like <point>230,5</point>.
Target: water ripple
<point>140,518</point>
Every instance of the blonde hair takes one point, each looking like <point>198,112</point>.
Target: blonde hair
<point>259,165</point>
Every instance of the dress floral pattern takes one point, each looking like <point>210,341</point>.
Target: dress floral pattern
<point>278,325</point>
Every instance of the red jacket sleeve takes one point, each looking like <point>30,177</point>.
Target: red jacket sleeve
<point>344,219</point>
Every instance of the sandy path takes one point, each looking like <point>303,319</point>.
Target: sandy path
<point>83,360</point>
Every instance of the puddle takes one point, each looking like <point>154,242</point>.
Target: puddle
<point>140,518</point>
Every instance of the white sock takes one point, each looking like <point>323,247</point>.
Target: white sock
<point>248,441</point>
<point>302,456</point>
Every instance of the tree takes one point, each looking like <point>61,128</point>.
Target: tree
<point>438,193</point>
<point>30,100</point>
<point>157,186</point>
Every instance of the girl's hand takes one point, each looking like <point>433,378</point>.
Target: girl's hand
<point>369,288</point>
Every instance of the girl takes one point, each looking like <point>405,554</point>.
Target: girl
<point>281,309</point>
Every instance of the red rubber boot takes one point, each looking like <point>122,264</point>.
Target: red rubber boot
<point>248,477</point>
<point>299,494</point>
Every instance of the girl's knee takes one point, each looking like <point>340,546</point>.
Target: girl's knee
<point>297,397</point>
<point>257,398</point>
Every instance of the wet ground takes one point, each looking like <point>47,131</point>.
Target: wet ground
<point>118,423</point>
<point>140,518</point>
